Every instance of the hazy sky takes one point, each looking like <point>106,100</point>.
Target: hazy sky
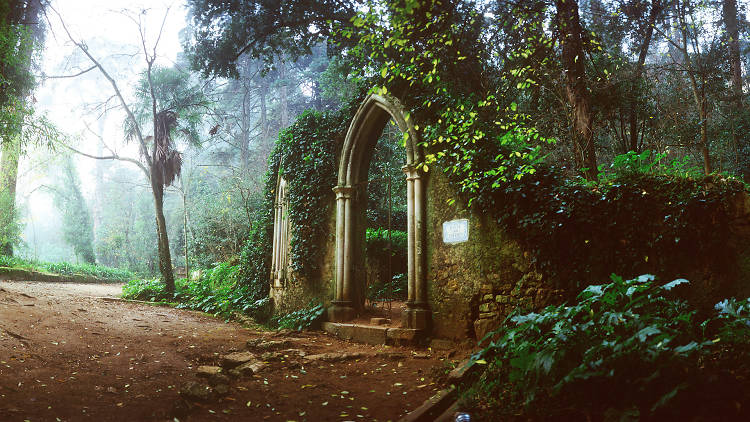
<point>107,27</point>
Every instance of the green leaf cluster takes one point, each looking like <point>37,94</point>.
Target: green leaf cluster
<point>302,319</point>
<point>628,347</point>
<point>216,291</point>
<point>66,268</point>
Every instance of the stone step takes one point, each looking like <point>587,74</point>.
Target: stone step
<point>374,334</point>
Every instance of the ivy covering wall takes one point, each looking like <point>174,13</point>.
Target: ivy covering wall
<point>306,153</point>
<point>643,216</point>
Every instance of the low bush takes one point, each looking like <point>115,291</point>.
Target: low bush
<point>386,251</point>
<point>217,291</point>
<point>397,288</point>
<point>302,319</point>
<point>66,268</point>
<point>630,349</point>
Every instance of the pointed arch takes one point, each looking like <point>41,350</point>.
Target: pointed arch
<point>365,129</point>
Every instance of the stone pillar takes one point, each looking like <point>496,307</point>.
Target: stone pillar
<point>410,273</point>
<point>417,314</point>
<point>342,308</point>
<point>275,253</point>
<point>420,287</point>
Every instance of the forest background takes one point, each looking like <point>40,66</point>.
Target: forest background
<point>592,88</point>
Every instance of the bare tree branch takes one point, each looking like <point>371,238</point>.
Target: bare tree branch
<point>70,76</point>
<point>84,49</point>
<point>110,157</point>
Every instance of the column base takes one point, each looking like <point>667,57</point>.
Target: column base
<point>341,311</point>
<point>417,318</point>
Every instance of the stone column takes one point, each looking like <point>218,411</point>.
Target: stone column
<point>411,271</point>
<point>342,308</point>
<point>420,288</point>
<point>275,253</point>
<point>417,314</point>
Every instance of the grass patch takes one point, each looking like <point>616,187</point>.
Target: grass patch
<point>66,268</point>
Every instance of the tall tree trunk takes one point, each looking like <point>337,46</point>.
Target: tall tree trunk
<point>638,73</point>
<point>11,150</point>
<point>245,130</point>
<point>165,256</point>
<point>185,231</point>
<point>284,93</point>
<point>265,125</point>
<point>693,71</point>
<point>740,146</point>
<point>244,83</point>
<point>26,14</point>
<point>570,30</point>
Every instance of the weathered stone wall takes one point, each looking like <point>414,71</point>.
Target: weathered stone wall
<point>297,291</point>
<point>474,285</point>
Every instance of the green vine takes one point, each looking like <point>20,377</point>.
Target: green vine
<point>306,155</point>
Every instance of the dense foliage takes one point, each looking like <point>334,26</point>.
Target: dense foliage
<point>386,251</point>
<point>76,218</point>
<point>302,319</point>
<point>630,349</point>
<point>224,31</point>
<point>66,268</point>
<point>215,291</point>
<point>634,221</point>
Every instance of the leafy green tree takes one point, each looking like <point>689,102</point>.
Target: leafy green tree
<point>225,30</point>
<point>170,103</point>
<point>77,224</point>
<point>20,36</point>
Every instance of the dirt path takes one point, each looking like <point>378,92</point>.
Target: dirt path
<point>68,352</point>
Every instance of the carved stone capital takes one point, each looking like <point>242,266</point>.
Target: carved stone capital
<point>344,192</point>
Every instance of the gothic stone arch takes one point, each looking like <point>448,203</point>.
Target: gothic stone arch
<point>351,203</point>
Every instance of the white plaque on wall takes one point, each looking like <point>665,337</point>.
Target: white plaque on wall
<point>456,231</point>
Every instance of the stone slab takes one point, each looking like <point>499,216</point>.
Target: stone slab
<point>207,371</point>
<point>378,321</point>
<point>359,333</point>
<point>442,344</point>
<point>236,359</point>
<point>465,371</point>
<point>369,334</point>
<point>433,407</point>
<point>375,335</point>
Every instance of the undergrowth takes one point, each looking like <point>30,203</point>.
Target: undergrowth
<point>66,268</point>
<point>626,350</point>
<point>220,292</point>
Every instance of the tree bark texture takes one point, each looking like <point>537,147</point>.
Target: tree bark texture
<point>8,180</point>
<point>569,27</point>
<point>740,145</point>
<point>284,94</point>
<point>165,256</point>
<point>656,9</point>
<point>27,14</point>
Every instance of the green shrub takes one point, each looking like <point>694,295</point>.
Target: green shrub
<point>66,268</point>
<point>397,288</point>
<point>152,290</point>
<point>87,269</point>
<point>380,249</point>
<point>216,292</point>
<point>302,319</point>
<point>647,162</point>
<point>627,348</point>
